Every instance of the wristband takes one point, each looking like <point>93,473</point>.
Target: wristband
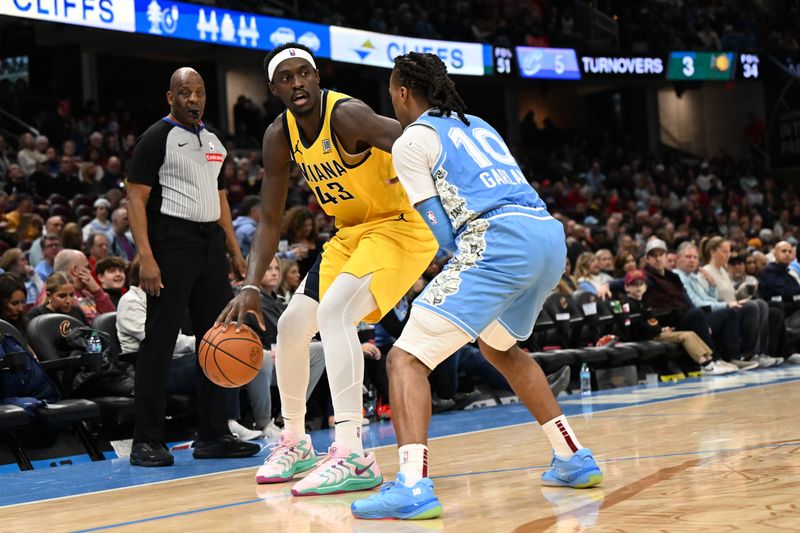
<point>254,287</point>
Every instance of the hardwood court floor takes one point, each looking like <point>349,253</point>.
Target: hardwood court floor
<point>719,462</point>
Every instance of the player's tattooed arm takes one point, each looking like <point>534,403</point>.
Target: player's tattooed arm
<point>358,127</point>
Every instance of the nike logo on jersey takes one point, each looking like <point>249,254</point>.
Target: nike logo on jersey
<point>182,145</point>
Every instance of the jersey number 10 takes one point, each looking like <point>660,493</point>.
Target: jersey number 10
<point>482,136</point>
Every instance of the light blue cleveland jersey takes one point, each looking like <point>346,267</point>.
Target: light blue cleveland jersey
<point>476,172</point>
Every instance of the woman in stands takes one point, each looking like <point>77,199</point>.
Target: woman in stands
<point>766,323</point>
<point>624,263</point>
<point>12,302</point>
<point>590,279</point>
<point>568,283</point>
<point>300,229</point>
<point>60,291</point>
<point>290,280</point>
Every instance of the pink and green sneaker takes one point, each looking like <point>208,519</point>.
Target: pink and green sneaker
<point>340,471</point>
<point>289,458</point>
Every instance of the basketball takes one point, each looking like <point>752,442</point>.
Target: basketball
<point>230,358</point>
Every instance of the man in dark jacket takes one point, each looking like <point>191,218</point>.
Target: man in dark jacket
<point>775,279</point>
<point>667,296</point>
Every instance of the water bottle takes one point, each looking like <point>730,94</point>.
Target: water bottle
<point>586,380</point>
<point>94,346</point>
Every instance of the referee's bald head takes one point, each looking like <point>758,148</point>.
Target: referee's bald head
<point>182,76</point>
<point>187,96</point>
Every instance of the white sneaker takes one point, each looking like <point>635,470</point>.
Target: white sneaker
<point>242,433</point>
<point>743,364</point>
<point>765,361</point>
<point>793,359</point>
<point>272,432</point>
<point>727,365</point>
<point>718,368</point>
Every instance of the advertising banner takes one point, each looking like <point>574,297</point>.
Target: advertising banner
<point>379,50</point>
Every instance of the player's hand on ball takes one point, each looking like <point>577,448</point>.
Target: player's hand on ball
<point>247,301</point>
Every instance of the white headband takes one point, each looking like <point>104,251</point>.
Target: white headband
<point>288,53</point>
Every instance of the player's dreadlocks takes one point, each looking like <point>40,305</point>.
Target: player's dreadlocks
<point>426,75</point>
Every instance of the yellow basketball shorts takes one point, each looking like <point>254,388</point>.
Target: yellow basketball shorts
<point>395,250</point>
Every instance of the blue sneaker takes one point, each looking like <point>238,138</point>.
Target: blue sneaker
<point>579,472</point>
<point>395,500</point>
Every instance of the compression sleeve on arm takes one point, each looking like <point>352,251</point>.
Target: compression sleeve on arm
<point>435,217</point>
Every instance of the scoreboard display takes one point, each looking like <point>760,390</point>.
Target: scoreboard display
<point>701,66</point>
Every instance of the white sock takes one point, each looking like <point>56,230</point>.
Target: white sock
<point>348,432</point>
<point>561,437</point>
<point>346,302</point>
<point>296,327</point>
<point>413,462</point>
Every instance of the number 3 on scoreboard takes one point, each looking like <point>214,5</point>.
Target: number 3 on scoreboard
<point>326,197</point>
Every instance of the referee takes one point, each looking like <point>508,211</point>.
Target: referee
<point>181,222</point>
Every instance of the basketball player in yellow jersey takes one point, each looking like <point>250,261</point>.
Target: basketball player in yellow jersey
<point>381,248</point>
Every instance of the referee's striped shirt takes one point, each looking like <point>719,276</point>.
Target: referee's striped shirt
<point>184,169</point>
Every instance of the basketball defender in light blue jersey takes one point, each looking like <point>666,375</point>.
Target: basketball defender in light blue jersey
<point>508,254</point>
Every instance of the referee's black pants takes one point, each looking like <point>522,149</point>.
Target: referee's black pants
<point>194,272</point>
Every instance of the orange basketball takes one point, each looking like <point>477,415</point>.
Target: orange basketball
<point>230,358</point>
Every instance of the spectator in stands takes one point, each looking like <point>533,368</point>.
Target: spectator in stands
<point>52,245</point>
<point>13,261</point>
<point>624,263</point>
<point>121,245</point>
<point>246,223</point>
<point>16,181</point>
<point>66,183</point>
<point>605,261</point>
<point>72,237</point>
<point>775,280</point>
<point>672,260</point>
<point>60,291</point>
<point>131,317</point>
<point>112,176</point>
<point>52,226</point>
<point>100,223</point>
<point>89,296</point>
<point>290,280</point>
<point>12,302</point>
<point>23,223</point>
<point>29,157</point>
<point>758,319</point>
<point>96,250</point>
<point>667,296</point>
<point>90,175</point>
<point>568,284</point>
<point>700,287</point>
<point>299,228</point>
<point>590,279</point>
<point>743,283</point>
<point>111,274</point>
<point>645,326</point>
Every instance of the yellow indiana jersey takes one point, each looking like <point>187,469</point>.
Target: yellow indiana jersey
<point>352,188</point>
